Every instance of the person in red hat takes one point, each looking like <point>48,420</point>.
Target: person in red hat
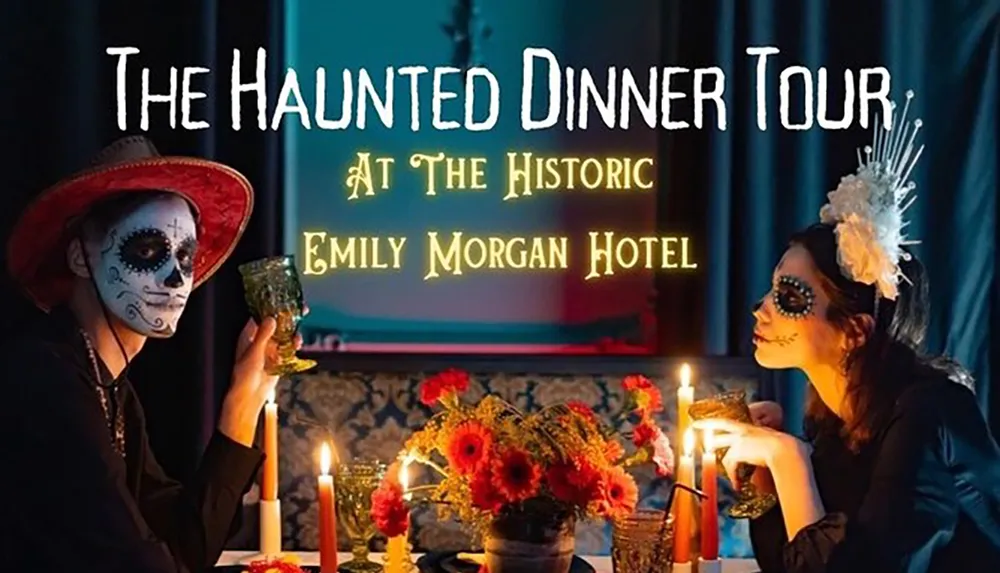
<point>112,255</point>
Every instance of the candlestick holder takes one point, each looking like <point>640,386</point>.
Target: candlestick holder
<point>709,565</point>
<point>685,567</point>
<point>270,532</point>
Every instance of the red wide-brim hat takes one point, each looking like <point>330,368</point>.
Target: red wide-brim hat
<point>221,197</point>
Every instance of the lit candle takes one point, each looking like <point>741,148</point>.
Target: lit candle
<point>710,503</point>
<point>269,481</point>
<point>327,515</point>
<point>685,503</point>
<point>685,396</point>
<point>397,558</point>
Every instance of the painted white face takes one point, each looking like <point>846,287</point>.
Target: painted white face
<point>791,329</point>
<point>144,269</point>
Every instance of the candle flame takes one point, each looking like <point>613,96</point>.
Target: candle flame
<point>404,474</point>
<point>685,375</point>
<point>270,397</point>
<point>325,458</point>
<point>689,442</point>
<point>707,439</point>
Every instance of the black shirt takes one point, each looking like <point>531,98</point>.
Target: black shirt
<point>922,497</point>
<point>70,501</point>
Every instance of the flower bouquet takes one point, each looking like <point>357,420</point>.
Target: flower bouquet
<point>521,481</point>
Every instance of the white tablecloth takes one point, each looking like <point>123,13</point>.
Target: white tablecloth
<point>601,564</point>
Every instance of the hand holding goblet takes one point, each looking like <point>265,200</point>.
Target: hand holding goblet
<point>728,412</point>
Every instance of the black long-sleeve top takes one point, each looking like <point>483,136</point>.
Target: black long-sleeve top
<point>70,502</point>
<point>922,497</point>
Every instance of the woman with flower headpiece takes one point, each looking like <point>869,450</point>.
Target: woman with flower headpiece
<point>112,254</point>
<point>900,472</point>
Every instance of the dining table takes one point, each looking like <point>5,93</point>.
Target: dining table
<point>600,563</point>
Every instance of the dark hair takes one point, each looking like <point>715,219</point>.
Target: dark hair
<point>892,356</point>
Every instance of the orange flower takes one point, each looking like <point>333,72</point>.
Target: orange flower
<point>643,393</point>
<point>613,451</point>
<point>516,475</point>
<point>443,386</point>
<point>621,495</point>
<point>468,446</point>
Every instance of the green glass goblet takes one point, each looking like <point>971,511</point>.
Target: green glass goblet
<point>272,288</point>
<point>356,481</point>
<point>750,503</point>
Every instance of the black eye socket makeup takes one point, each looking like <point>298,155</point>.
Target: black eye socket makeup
<point>144,251</point>
<point>793,297</point>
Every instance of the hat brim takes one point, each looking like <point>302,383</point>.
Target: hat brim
<point>222,197</point>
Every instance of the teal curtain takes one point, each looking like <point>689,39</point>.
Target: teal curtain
<point>763,185</point>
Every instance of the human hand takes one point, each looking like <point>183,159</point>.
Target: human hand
<point>251,384</point>
<point>767,414</point>
<point>753,445</point>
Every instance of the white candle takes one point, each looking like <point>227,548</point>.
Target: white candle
<point>269,479</point>
<point>685,396</point>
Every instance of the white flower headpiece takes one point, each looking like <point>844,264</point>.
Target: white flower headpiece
<point>867,207</point>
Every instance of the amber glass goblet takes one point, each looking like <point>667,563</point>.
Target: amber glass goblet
<point>272,288</point>
<point>640,543</point>
<point>356,481</point>
<point>750,503</point>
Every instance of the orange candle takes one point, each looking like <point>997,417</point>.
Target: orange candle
<point>327,515</point>
<point>710,504</point>
<point>269,480</point>
<point>684,501</point>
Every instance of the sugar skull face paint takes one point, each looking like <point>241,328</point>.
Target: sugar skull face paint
<point>791,329</point>
<point>793,297</point>
<point>144,269</point>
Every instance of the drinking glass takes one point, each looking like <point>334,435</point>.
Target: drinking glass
<point>750,503</point>
<point>355,483</point>
<point>272,288</point>
<point>640,543</point>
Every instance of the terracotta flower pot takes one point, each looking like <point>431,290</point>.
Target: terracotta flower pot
<point>533,539</point>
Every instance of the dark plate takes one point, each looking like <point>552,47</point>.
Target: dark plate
<point>450,563</point>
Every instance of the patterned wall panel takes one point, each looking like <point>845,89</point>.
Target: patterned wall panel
<point>369,415</point>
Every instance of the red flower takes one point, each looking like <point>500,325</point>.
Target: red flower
<point>582,410</point>
<point>644,433</point>
<point>271,565</point>
<point>483,495</point>
<point>484,569</point>
<point>645,394</point>
<point>443,385</point>
<point>516,476</point>
<point>621,495</point>
<point>468,446</point>
<point>576,482</point>
<point>389,510</point>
